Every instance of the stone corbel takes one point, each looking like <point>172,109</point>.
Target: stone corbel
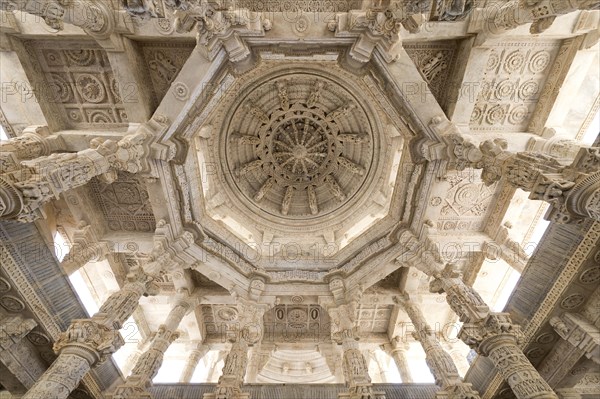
<point>580,333</point>
<point>170,250</point>
<point>220,28</point>
<point>86,247</point>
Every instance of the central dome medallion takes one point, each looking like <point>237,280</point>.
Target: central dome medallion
<point>299,145</point>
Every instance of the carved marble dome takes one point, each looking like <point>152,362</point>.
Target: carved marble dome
<point>300,148</point>
<point>299,143</point>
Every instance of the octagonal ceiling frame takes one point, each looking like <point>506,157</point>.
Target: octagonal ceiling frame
<point>188,89</point>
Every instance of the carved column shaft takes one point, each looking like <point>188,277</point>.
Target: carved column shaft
<point>438,360</point>
<point>234,369</point>
<point>399,355</point>
<point>513,365</point>
<point>492,335</point>
<point>89,342</point>
<point>195,356</point>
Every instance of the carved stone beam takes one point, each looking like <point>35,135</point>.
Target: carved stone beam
<point>15,353</point>
<point>579,332</point>
<point>86,247</point>
<point>89,342</point>
<point>35,142</point>
<point>23,193</point>
<point>573,191</point>
<point>507,249</point>
<point>540,13</point>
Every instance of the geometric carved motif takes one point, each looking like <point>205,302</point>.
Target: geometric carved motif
<point>513,80</point>
<point>373,318</point>
<point>220,319</point>
<point>295,322</point>
<point>435,61</point>
<point>465,204</point>
<point>299,145</point>
<point>80,82</point>
<point>125,203</point>
<point>163,62</point>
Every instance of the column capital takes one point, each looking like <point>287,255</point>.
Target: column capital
<point>90,340</point>
<point>482,334</point>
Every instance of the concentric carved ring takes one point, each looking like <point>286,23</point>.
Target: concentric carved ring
<point>299,145</point>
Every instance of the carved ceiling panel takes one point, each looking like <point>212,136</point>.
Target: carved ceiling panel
<point>297,322</point>
<point>512,84</point>
<point>163,61</point>
<point>464,204</point>
<point>79,80</point>
<point>373,318</point>
<point>124,203</point>
<point>436,62</point>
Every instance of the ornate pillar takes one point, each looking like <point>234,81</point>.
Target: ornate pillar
<point>194,358</point>
<point>397,350</point>
<point>250,333</point>
<point>573,191</point>
<point>540,13</point>
<point>234,369</point>
<point>146,368</point>
<point>89,342</point>
<point>439,361</point>
<point>23,193</point>
<point>356,372</point>
<point>33,143</point>
<point>492,335</point>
